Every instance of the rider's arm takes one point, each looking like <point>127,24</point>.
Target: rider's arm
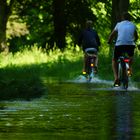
<point>112,35</point>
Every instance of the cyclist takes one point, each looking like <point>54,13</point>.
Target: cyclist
<point>125,43</point>
<point>89,39</point>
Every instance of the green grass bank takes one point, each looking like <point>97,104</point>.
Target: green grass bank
<point>24,75</point>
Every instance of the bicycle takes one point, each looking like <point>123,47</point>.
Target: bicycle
<point>123,71</point>
<point>90,64</point>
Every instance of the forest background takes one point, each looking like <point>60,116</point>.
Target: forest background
<point>35,35</point>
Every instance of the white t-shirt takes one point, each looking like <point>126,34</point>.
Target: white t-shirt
<point>125,31</point>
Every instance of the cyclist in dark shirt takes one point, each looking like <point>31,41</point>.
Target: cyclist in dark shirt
<point>89,39</point>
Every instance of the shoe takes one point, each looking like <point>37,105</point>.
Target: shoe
<point>117,83</point>
<point>129,72</point>
<point>95,70</point>
<point>84,72</point>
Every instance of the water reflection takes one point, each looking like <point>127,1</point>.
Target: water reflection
<point>72,111</point>
<point>123,114</point>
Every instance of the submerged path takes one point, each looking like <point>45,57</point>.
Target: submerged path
<point>73,110</point>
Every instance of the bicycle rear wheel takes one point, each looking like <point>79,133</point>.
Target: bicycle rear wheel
<point>90,70</point>
<point>123,75</point>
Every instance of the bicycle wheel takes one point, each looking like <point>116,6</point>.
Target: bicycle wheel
<point>123,75</point>
<point>90,70</point>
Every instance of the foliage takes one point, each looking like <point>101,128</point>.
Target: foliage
<point>23,74</point>
<point>16,28</point>
<point>135,10</point>
<point>34,22</point>
<point>77,12</point>
<point>39,18</point>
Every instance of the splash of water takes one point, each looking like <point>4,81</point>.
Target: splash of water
<point>97,80</point>
<point>83,79</point>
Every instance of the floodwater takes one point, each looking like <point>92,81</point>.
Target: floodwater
<point>74,110</point>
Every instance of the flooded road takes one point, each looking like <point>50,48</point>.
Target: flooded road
<point>74,110</point>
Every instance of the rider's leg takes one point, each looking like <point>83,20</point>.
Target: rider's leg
<point>115,69</point>
<point>96,64</point>
<point>130,65</point>
<point>96,61</point>
<point>130,51</point>
<point>131,61</point>
<point>117,53</point>
<point>84,63</point>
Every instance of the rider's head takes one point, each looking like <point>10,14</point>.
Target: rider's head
<point>89,23</point>
<point>126,16</point>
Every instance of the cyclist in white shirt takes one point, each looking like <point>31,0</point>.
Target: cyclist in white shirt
<point>125,43</point>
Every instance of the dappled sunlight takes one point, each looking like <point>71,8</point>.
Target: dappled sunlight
<point>16,28</point>
<point>37,55</point>
<point>26,73</point>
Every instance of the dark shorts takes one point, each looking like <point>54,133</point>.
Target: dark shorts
<point>122,49</point>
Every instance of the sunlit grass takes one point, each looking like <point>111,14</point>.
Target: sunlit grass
<point>37,56</point>
<point>26,74</point>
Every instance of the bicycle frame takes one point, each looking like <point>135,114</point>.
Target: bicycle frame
<point>123,71</point>
<point>90,68</point>
<point>90,64</point>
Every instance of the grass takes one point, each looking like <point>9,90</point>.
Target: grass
<point>24,75</point>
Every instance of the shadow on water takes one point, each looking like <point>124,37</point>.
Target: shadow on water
<point>123,128</point>
<point>123,124</point>
<point>22,83</point>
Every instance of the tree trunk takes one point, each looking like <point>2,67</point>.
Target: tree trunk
<point>59,23</point>
<point>5,11</point>
<point>3,23</point>
<point>118,7</point>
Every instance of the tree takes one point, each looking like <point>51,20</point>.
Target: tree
<point>68,19</point>
<point>5,12</point>
<point>118,7</point>
<point>50,22</point>
<point>59,23</point>
<point>38,17</point>
<point>77,12</point>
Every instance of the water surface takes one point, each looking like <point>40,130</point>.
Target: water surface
<point>74,110</point>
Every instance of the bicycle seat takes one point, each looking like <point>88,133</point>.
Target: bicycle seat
<point>91,51</point>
